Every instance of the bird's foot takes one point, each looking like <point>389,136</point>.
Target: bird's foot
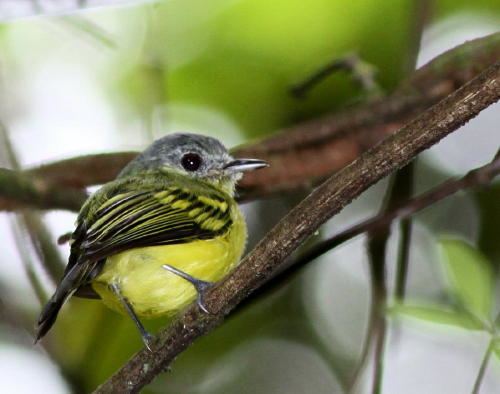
<point>201,286</point>
<point>148,340</point>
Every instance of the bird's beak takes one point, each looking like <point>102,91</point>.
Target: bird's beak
<point>242,165</point>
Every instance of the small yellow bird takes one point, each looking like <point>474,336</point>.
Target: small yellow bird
<point>159,235</point>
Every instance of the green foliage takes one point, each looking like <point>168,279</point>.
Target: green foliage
<point>444,7</point>
<point>496,347</point>
<point>241,58</point>
<point>470,277</point>
<point>437,315</point>
<point>471,284</point>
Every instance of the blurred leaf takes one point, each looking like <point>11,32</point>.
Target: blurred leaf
<point>470,276</point>
<point>89,29</point>
<point>496,347</point>
<point>446,7</point>
<point>437,315</point>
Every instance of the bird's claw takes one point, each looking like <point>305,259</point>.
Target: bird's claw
<point>201,286</point>
<point>148,340</point>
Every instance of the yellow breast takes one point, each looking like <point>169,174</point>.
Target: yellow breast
<point>154,291</point>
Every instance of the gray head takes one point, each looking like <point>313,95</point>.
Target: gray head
<point>193,155</point>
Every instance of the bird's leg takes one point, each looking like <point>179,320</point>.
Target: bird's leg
<point>201,286</point>
<point>147,338</point>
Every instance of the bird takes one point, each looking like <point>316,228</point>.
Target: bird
<point>157,237</point>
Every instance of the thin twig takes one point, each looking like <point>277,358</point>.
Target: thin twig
<point>482,368</point>
<point>362,72</point>
<point>32,276</point>
<point>378,239</point>
<point>43,244</point>
<point>399,189</point>
<point>377,248</point>
<point>405,187</point>
<point>90,29</point>
<point>302,221</point>
<point>403,259</point>
<point>379,352</point>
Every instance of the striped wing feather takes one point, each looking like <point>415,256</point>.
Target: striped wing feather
<point>137,219</point>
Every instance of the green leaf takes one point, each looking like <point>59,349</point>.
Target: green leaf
<point>470,276</point>
<point>496,347</point>
<point>437,315</point>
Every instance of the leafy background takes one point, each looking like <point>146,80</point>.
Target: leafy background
<point>112,79</point>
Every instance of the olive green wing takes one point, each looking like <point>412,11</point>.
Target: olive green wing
<point>148,218</point>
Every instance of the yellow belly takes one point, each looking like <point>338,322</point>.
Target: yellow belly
<point>154,291</point>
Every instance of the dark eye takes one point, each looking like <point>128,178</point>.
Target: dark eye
<point>191,161</point>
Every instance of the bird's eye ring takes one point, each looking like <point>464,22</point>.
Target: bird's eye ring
<point>191,161</point>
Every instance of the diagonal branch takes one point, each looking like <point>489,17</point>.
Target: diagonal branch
<point>324,202</point>
<point>478,177</point>
<point>310,151</point>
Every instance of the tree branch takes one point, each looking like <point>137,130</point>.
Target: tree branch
<point>304,154</point>
<point>477,177</point>
<point>324,202</point>
<point>21,190</point>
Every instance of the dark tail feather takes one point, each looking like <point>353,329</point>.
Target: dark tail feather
<point>50,311</point>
